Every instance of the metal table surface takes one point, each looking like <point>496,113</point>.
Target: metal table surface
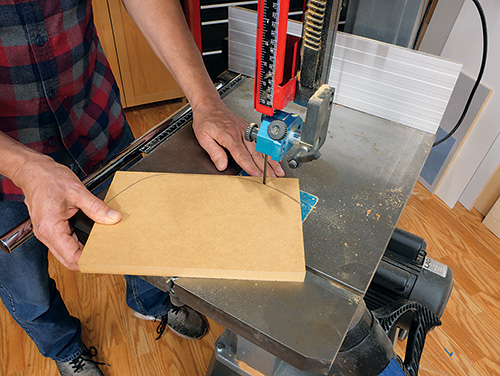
<point>363,179</point>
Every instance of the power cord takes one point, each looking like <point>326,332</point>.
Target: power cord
<point>479,76</point>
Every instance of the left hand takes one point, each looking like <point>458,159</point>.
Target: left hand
<point>215,127</point>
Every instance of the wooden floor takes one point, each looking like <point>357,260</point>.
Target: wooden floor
<point>468,342</point>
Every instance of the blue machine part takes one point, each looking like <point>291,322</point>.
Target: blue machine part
<point>307,200</point>
<point>274,139</point>
<point>307,203</point>
<point>393,369</point>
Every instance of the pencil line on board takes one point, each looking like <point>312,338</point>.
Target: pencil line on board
<point>130,186</point>
<point>266,185</point>
<point>243,178</point>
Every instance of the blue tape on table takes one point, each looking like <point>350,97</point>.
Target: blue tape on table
<point>307,200</point>
<point>307,204</point>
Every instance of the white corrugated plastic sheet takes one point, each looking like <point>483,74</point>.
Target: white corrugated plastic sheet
<point>395,83</point>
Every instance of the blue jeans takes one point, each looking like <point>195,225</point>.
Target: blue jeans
<point>32,298</point>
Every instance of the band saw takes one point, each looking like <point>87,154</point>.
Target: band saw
<point>320,326</point>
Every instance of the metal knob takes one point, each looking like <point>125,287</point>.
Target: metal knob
<point>302,156</point>
<point>277,130</point>
<point>251,132</point>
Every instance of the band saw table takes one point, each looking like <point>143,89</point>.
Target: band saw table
<point>363,180</point>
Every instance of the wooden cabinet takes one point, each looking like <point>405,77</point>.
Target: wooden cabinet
<point>141,76</point>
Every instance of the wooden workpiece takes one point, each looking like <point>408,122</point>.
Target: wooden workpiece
<point>209,226</point>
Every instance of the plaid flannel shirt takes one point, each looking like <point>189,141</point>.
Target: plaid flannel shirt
<point>57,93</point>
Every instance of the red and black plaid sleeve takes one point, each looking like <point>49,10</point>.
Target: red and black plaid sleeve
<point>57,93</point>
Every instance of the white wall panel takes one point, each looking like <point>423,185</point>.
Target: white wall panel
<point>483,173</point>
<point>467,172</point>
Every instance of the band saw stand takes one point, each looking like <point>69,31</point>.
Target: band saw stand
<point>367,348</point>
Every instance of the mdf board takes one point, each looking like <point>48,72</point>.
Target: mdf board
<point>209,226</point>
<point>143,76</point>
<point>490,193</point>
<point>492,220</point>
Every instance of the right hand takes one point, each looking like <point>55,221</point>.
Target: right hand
<point>53,194</point>
<point>217,128</point>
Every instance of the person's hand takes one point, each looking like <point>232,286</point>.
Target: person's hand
<point>216,127</point>
<point>53,194</point>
